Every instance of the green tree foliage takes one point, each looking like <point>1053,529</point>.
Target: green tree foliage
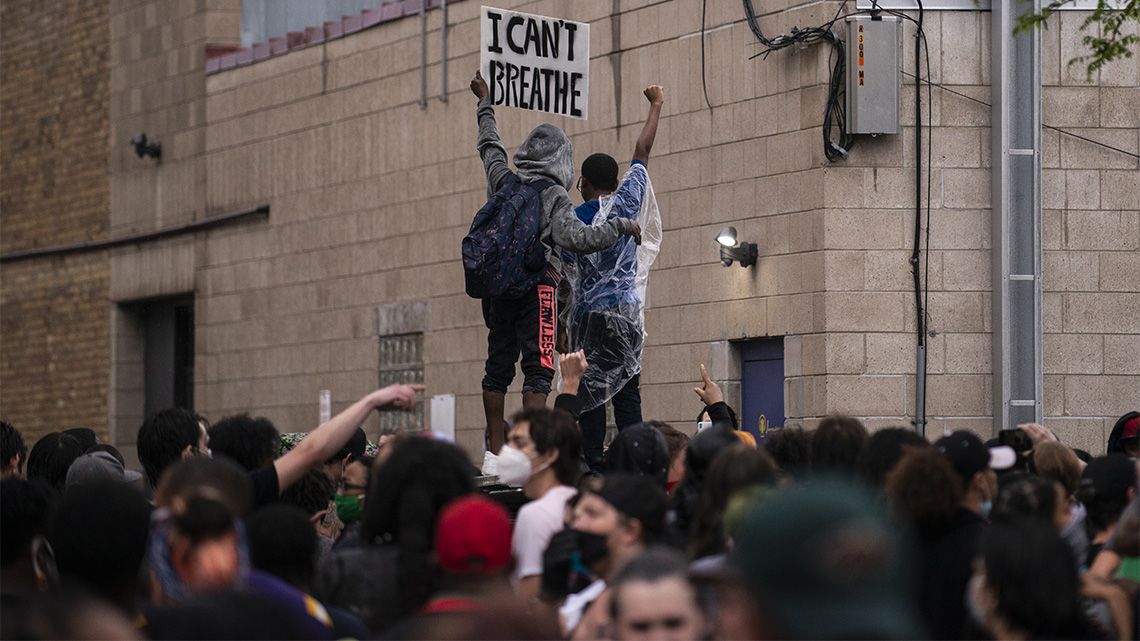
<point>1110,21</point>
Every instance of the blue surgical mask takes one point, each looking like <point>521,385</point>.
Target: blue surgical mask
<point>986,508</point>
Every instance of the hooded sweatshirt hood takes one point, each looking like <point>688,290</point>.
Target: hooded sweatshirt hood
<point>546,153</point>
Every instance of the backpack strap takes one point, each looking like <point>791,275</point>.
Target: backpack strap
<point>510,179</point>
<point>541,185</point>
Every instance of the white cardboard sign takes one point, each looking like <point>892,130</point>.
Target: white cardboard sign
<point>443,416</point>
<point>536,63</point>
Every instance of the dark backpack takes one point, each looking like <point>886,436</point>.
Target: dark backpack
<point>503,256</point>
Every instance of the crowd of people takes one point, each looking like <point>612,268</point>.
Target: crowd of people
<point>236,531</point>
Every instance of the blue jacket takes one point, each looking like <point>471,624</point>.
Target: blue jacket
<point>607,278</point>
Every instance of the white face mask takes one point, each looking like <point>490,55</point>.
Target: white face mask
<point>514,466</point>
<point>702,425</point>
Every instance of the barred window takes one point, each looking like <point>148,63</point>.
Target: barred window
<point>402,361</point>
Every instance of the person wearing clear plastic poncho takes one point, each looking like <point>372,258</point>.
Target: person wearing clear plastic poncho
<point>606,310</point>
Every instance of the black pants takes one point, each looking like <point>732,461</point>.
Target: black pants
<point>627,411</point>
<point>523,326</point>
<point>611,339</point>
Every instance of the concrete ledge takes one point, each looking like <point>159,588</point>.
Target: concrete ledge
<point>153,270</point>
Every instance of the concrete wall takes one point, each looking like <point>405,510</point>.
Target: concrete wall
<point>54,324</point>
<point>370,196</point>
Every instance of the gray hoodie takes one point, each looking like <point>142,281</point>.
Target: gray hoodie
<point>546,154</point>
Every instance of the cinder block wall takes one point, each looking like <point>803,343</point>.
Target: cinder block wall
<point>370,196</point>
<point>54,324</point>
<point>158,53</point>
<point>866,360</point>
<point>158,87</point>
<point>1090,239</point>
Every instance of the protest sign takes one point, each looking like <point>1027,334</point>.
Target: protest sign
<point>536,63</point>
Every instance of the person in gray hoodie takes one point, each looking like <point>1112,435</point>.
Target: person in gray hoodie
<point>527,325</point>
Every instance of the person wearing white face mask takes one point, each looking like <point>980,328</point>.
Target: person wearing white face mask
<point>542,456</point>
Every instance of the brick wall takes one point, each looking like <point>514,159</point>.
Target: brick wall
<point>54,334</point>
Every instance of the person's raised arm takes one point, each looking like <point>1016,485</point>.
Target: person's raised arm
<point>713,398</point>
<point>573,367</point>
<point>327,439</point>
<point>570,233</point>
<point>655,94</point>
<point>490,147</point>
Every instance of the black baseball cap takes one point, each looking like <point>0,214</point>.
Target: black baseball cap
<point>969,455</point>
<point>639,498</point>
<point>1108,476</point>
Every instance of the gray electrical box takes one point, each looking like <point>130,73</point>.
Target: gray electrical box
<point>873,74</point>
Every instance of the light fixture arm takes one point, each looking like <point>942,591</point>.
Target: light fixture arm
<point>743,253</point>
<point>144,147</point>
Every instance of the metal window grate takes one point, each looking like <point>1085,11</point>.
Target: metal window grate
<point>402,361</point>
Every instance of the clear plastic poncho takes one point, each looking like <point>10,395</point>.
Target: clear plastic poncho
<point>605,314</point>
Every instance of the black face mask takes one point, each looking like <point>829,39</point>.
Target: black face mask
<point>566,563</point>
<point>591,547</point>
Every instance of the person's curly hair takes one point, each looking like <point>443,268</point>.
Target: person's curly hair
<point>311,493</point>
<point>924,489</point>
<point>883,450</point>
<point>836,444</point>
<point>790,448</point>
<point>405,495</point>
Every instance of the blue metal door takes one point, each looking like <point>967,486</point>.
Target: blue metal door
<point>762,383</point>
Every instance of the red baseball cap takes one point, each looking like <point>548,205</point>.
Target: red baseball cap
<point>473,536</point>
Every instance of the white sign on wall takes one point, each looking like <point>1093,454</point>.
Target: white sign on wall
<point>536,63</point>
<point>443,416</point>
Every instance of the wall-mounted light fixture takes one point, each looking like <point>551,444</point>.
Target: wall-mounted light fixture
<point>730,250</point>
<point>144,148</point>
